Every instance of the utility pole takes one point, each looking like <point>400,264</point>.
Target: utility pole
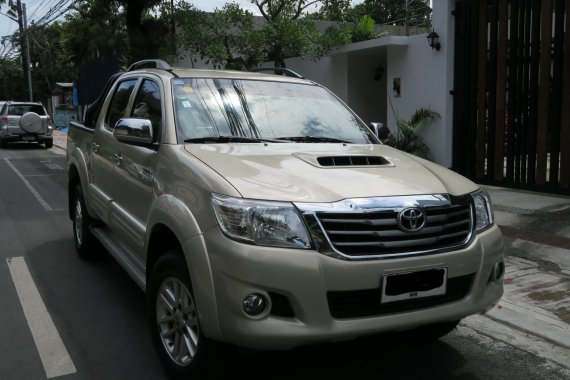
<point>28,58</point>
<point>24,48</point>
<point>407,20</point>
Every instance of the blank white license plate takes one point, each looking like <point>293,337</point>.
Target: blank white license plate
<point>411,285</point>
<point>28,138</point>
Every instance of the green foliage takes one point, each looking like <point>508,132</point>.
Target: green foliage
<point>393,12</point>
<point>364,30</point>
<point>94,29</point>
<point>231,37</point>
<point>407,138</point>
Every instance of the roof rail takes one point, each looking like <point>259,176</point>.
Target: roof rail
<point>150,64</point>
<point>276,70</point>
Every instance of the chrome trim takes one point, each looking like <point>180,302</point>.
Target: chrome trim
<point>324,245</point>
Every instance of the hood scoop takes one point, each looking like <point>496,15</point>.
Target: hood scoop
<point>343,161</point>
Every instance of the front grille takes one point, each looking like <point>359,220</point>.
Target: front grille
<point>359,234</point>
<point>366,303</point>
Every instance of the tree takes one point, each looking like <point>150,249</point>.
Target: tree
<point>235,38</point>
<point>393,12</point>
<point>227,37</point>
<point>290,32</point>
<point>93,29</point>
<point>407,138</point>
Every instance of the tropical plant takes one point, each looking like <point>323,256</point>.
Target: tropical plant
<point>407,138</point>
<point>364,30</point>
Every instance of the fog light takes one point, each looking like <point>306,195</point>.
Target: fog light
<point>254,304</point>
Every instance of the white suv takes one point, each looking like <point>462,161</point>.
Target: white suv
<point>25,121</point>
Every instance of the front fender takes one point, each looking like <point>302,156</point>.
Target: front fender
<point>171,212</point>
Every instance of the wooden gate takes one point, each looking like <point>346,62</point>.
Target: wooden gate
<point>512,93</point>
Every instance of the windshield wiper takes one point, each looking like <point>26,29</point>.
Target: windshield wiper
<point>314,139</point>
<point>227,139</point>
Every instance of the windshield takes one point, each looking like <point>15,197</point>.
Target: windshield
<point>207,109</point>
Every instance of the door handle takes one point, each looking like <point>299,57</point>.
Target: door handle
<point>95,147</point>
<point>118,158</point>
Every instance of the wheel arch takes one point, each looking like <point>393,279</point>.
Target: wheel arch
<point>174,226</point>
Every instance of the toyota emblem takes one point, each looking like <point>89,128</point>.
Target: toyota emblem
<point>411,219</point>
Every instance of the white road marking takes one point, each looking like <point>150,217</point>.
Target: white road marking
<point>53,354</point>
<point>34,192</point>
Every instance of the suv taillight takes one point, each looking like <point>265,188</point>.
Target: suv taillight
<point>3,120</point>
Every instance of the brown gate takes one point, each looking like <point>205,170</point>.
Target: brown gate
<point>512,93</point>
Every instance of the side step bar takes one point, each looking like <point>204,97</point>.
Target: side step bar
<point>124,257</point>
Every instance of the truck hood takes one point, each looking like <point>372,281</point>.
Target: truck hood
<point>326,172</point>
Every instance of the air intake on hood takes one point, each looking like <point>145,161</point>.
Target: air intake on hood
<point>353,161</point>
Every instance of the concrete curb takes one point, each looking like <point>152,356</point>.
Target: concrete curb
<point>531,320</point>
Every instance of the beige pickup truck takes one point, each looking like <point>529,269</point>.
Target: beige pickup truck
<point>257,210</point>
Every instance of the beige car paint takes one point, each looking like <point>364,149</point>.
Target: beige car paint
<point>178,193</point>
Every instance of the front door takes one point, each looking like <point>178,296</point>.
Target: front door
<point>134,171</point>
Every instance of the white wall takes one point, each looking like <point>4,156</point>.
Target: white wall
<point>330,71</point>
<point>426,79</point>
<point>366,96</point>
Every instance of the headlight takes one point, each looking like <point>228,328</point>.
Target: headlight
<point>483,210</point>
<point>276,224</point>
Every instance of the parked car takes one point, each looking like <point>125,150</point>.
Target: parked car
<point>25,121</point>
<point>258,210</point>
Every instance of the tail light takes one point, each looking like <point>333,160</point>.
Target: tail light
<point>3,120</point>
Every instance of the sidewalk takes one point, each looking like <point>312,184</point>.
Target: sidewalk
<point>60,139</point>
<point>536,229</point>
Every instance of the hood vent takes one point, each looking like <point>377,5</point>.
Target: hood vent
<point>356,160</point>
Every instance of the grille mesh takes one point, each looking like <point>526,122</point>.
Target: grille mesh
<point>377,233</point>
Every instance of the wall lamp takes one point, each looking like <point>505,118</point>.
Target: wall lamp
<point>433,40</point>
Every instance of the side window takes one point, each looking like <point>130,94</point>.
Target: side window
<point>119,103</point>
<point>148,105</point>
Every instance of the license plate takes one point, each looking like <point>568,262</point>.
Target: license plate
<point>411,285</point>
<point>28,138</point>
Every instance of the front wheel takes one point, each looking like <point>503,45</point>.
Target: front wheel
<point>173,318</point>
<point>84,240</point>
<point>48,144</point>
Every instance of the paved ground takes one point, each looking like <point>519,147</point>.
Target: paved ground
<point>536,230</point>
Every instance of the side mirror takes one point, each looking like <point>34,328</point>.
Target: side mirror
<point>134,131</point>
<point>380,130</point>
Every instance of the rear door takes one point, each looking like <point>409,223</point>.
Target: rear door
<point>104,148</point>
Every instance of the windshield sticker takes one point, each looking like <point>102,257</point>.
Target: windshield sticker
<point>187,89</point>
<point>186,104</point>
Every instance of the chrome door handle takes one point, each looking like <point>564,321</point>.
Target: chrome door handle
<point>95,147</point>
<point>118,158</point>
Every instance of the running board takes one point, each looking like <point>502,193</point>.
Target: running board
<point>122,255</point>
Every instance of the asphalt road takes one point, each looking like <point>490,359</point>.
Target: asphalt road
<point>61,317</point>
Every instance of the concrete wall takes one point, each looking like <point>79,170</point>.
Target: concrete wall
<point>426,77</point>
<point>367,95</point>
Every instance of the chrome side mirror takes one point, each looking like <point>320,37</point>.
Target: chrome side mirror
<point>134,131</point>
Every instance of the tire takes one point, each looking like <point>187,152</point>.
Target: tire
<point>170,282</point>
<point>3,144</point>
<point>85,242</point>
<point>48,143</point>
<point>433,332</point>
<point>31,122</point>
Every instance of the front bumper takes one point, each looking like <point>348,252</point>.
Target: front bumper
<point>304,280</point>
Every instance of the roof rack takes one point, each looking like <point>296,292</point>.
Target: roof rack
<point>151,64</point>
<point>276,70</point>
